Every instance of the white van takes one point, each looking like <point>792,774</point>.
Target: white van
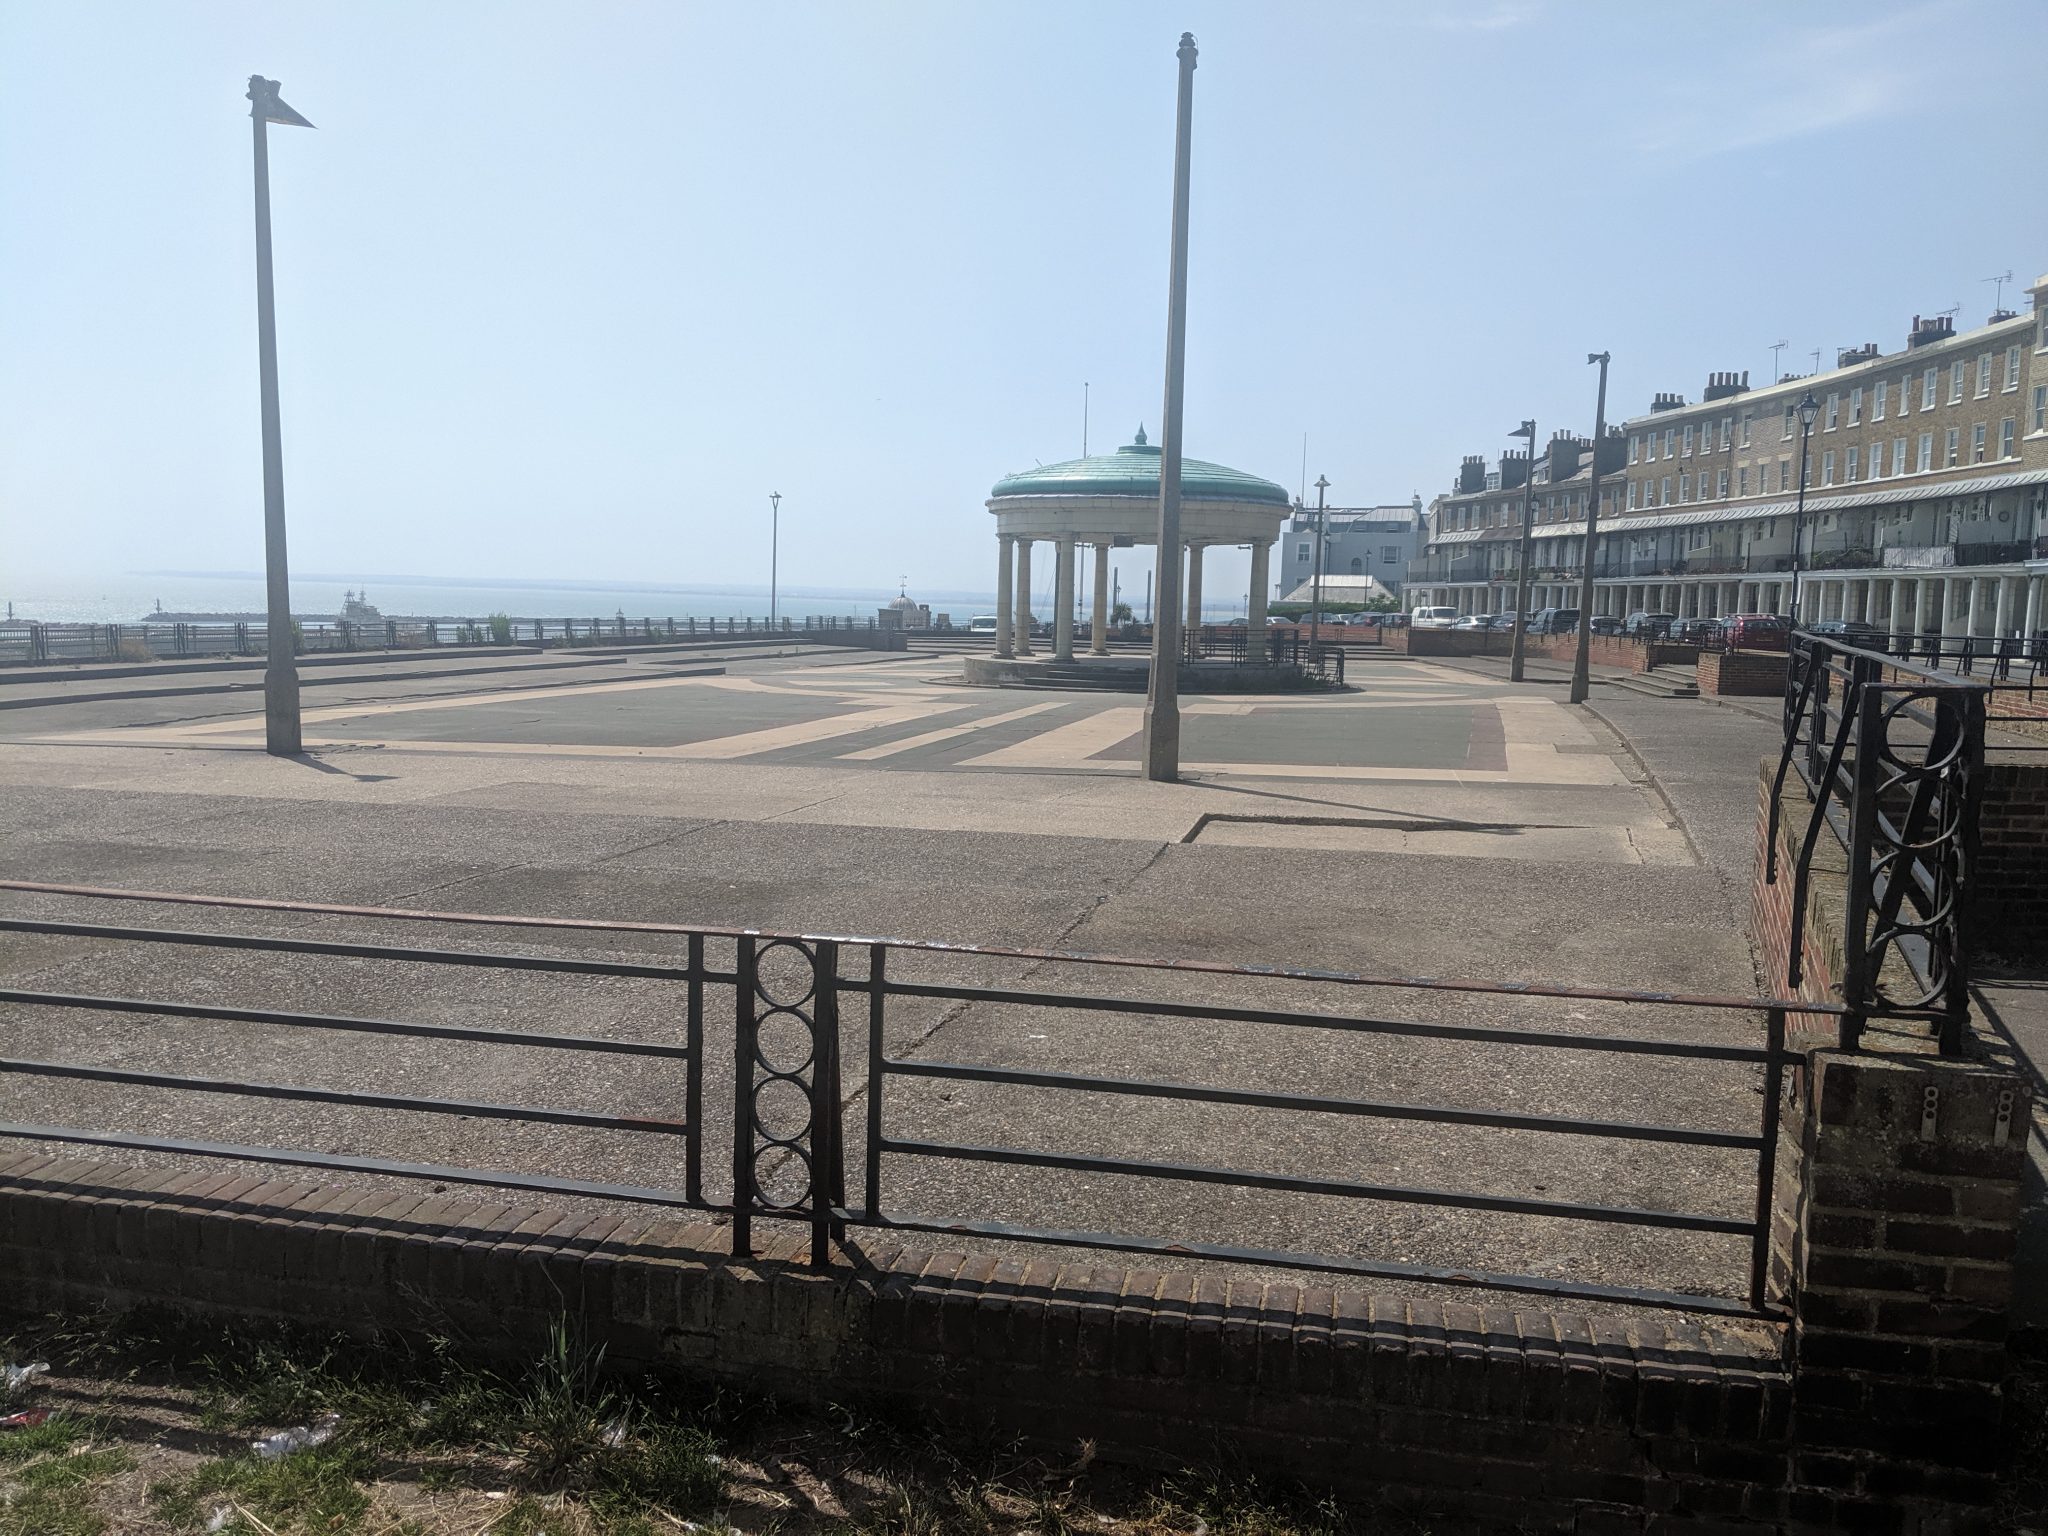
<point>1433,618</point>
<point>982,624</point>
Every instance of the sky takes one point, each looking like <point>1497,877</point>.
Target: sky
<point>566,290</point>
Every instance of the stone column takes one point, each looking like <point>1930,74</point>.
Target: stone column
<point>1063,600</point>
<point>1953,611</point>
<point>1006,639</point>
<point>1255,607</point>
<point>1023,597</point>
<point>1973,588</point>
<point>2001,625</point>
<point>1926,616</point>
<point>2032,621</point>
<point>1194,587</point>
<point>1098,628</point>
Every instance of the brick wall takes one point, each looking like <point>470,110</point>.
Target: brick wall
<point>2008,912</point>
<point>1547,1421</point>
<point>1748,674</point>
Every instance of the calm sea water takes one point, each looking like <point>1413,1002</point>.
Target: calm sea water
<point>127,597</point>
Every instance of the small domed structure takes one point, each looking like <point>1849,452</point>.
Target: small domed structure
<point>1111,500</point>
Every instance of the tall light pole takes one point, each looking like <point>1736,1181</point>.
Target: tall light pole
<point>1162,687</point>
<point>1580,681</point>
<point>281,733</point>
<point>774,548</point>
<point>1808,409</point>
<point>1315,618</point>
<point>1526,429</point>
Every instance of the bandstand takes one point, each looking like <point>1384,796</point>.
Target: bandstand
<point>1111,500</point>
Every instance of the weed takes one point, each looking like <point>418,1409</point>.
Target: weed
<point>51,1471</point>
<point>567,1414</point>
<point>319,1490</point>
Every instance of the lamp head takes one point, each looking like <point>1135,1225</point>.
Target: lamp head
<point>1808,408</point>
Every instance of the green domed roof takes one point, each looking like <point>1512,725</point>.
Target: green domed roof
<point>1133,470</point>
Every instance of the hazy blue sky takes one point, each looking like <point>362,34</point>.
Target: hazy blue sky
<point>565,290</point>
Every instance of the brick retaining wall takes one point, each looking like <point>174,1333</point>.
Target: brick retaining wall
<point>1745,674</point>
<point>1541,1421</point>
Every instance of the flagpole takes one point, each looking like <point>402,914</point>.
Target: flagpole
<point>281,724</point>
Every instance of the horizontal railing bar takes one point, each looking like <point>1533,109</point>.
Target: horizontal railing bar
<point>484,958</point>
<point>480,1109</point>
<point>1314,1103</point>
<point>345,1022</point>
<point>539,1183</point>
<point>1625,1044</point>
<point>931,946</point>
<point>1243,1178</point>
<point>1381,1269</point>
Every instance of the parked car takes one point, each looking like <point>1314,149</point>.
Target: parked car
<point>1852,631</point>
<point>1698,631</point>
<point>1649,625</point>
<point>1757,632</point>
<point>1554,621</point>
<point>1605,624</point>
<point>1502,621</point>
<point>1433,618</point>
<point>1276,622</point>
<point>1472,621</point>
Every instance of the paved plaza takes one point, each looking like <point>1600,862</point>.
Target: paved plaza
<point>1427,821</point>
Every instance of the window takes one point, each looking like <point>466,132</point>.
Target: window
<point>1898,456</point>
<point>1301,553</point>
<point>1956,372</point>
<point>1927,389</point>
<point>1834,417</point>
<point>1390,554</point>
<point>2040,409</point>
<point>1784,474</point>
<point>1877,400</point>
<point>1877,460</point>
<point>1727,433</point>
<point>1906,395</point>
<point>1791,419</point>
<point>1742,480</point>
<point>1688,442</point>
<point>2007,431</point>
<point>1635,443</point>
<point>1856,406</point>
<point>1977,443</point>
<point>1721,483</point>
<point>1852,468</point>
<point>1664,496</point>
<point>1926,460</point>
<point>1827,467</point>
<point>1357,566</point>
<point>1951,455</point>
<point>1670,442</point>
<point>1745,429</point>
<point>1685,487</point>
<point>2012,367</point>
<point>1983,375</point>
<point>1632,488</point>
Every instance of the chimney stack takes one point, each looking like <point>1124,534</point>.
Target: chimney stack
<point>1471,474</point>
<point>1667,402</point>
<point>1514,469</point>
<point>1933,328</point>
<point>1721,385</point>
<point>1848,357</point>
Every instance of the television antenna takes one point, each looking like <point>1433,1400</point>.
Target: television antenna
<point>1777,347</point>
<point>1998,290</point>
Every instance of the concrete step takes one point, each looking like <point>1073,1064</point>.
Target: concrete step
<point>1655,685</point>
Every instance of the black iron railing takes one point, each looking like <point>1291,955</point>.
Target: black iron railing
<point>772,1010</point>
<point>1891,757</point>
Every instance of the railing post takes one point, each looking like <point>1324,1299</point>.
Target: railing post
<point>1858,978</point>
<point>745,1049</point>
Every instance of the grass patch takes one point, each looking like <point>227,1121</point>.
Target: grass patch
<point>49,1475</point>
<point>321,1490</point>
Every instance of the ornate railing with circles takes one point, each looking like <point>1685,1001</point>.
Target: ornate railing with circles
<point>691,1042</point>
<point>1890,756</point>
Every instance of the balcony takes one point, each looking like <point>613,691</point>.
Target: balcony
<point>1940,557</point>
<point>1841,559</point>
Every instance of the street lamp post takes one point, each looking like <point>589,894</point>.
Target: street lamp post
<point>774,548</point>
<point>1808,408</point>
<point>1526,429</point>
<point>1315,617</point>
<point>1581,683</point>
<point>1162,688</point>
<point>281,731</point>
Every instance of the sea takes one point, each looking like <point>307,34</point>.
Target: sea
<point>126,598</point>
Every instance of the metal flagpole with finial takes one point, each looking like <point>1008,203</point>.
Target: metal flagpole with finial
<point>281,726</point>
<point>1162,688</point>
